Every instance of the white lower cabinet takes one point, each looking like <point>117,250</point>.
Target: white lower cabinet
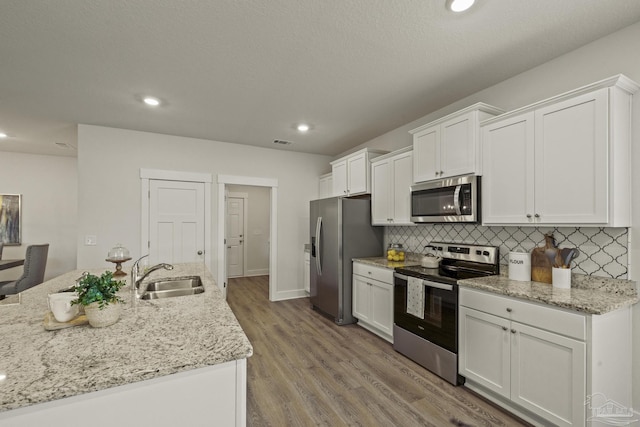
<point>210,396</point>
<point>540,362</point>
<point>373,299</point>
<point>306,268</point>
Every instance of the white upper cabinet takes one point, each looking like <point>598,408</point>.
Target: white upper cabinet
<point>325,186</point>
<point>351,174</point>
<point>561,161</point>
<point>391,179</point>
<point>450,146</point>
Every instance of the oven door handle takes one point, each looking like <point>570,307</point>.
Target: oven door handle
<point>443,286</point>
<point>437,285</point>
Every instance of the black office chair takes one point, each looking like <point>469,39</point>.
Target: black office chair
<point>35,263</point>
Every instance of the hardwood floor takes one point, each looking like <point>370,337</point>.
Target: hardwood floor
<point>308,371</point>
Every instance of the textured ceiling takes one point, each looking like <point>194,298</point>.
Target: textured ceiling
<point>246,71</point>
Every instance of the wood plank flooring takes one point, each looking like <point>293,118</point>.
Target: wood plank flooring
<point>307,371</point>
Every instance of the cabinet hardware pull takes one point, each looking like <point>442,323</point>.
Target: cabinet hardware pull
<point>537,215</point>
<point>504,328</point>
<point>529,216</point>
<point>513,331</point>
<point>441,173</point>
<point>509,310</point>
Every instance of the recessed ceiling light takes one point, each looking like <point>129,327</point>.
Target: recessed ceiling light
<point>459,5</point>
<point>3,135</point>
<point>151,101</point>
<point>303,127</point>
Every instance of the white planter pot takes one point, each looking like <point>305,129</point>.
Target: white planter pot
<point>109,315</point>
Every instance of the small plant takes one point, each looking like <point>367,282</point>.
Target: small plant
<point>102,290</point>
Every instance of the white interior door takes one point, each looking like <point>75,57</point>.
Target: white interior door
<point>235,236</point>
<point>176,221</point>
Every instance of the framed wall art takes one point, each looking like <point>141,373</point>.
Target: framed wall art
<point>11,219</point>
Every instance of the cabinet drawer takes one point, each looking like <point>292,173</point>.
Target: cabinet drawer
<point>545,317</point>
<point>378,273</point>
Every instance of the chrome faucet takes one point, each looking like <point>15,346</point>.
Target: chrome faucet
<point>140,288</point>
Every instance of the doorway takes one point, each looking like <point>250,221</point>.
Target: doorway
<point>237,218</point>
<point>247,230</point>
<point>272,186</point>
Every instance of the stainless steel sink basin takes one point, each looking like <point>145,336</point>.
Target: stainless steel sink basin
<point>173,287</point>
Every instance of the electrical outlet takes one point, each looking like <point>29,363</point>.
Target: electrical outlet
<point>90,240</point>
<point>413,243</point>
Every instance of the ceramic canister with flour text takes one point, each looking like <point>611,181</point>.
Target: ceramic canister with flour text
<point>520,266</point>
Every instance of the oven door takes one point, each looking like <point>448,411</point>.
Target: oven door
<point>427,309</point>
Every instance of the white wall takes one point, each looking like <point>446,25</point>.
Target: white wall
<point>109,163</point>
<point>256,238</point>
<point>608,56</point>
<point>48,185</point>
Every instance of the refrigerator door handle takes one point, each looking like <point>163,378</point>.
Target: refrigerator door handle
<point>318,248</point>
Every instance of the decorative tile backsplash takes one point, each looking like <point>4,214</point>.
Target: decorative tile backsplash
<point>603,251</point>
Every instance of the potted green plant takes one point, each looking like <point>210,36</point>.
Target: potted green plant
<point>98,296</point>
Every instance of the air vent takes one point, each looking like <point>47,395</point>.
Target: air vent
<point>282,142</point>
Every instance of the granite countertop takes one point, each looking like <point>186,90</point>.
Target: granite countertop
<point>381,261</point>
<point>152,339</point>
<point>588,294</point>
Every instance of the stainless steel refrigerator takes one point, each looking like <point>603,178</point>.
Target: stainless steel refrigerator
<point>340,231</point>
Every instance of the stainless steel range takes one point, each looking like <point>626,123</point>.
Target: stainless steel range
<point>426,305</point>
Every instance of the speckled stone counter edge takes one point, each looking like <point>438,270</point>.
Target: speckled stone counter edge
<point>152,339</point>
<point>588,294</point>
<point>410,259</point>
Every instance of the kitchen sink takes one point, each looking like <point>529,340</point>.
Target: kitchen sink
<point>173,287</point>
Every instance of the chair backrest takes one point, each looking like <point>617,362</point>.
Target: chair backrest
<point>35,263</point>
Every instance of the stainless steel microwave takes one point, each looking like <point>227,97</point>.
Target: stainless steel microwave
<point>447,200</point>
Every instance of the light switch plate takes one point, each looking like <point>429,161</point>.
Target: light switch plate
<point>90,240</point>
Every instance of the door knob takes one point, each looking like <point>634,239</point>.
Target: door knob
<point>199,252</point>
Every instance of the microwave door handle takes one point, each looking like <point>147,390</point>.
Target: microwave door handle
<point>318,248</point>
<point>456,199</point>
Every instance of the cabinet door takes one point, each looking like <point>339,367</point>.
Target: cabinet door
<point>426,154</point>
<point>458,146</point>
<point>572,160</point>
<point>307,272</point>
<point>402,167</point>
<point>548,374</point>
<point>325,186</point>
<point>361,298</point>
<point>483,350</point>
<point>382,306</point>
<point>358,174</point>
<point>381,188</point>
<point>508,180</point>
<point>339,173</point>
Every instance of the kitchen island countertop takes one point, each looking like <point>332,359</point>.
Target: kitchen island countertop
<point>152,339</point>
<point>588,294</point>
